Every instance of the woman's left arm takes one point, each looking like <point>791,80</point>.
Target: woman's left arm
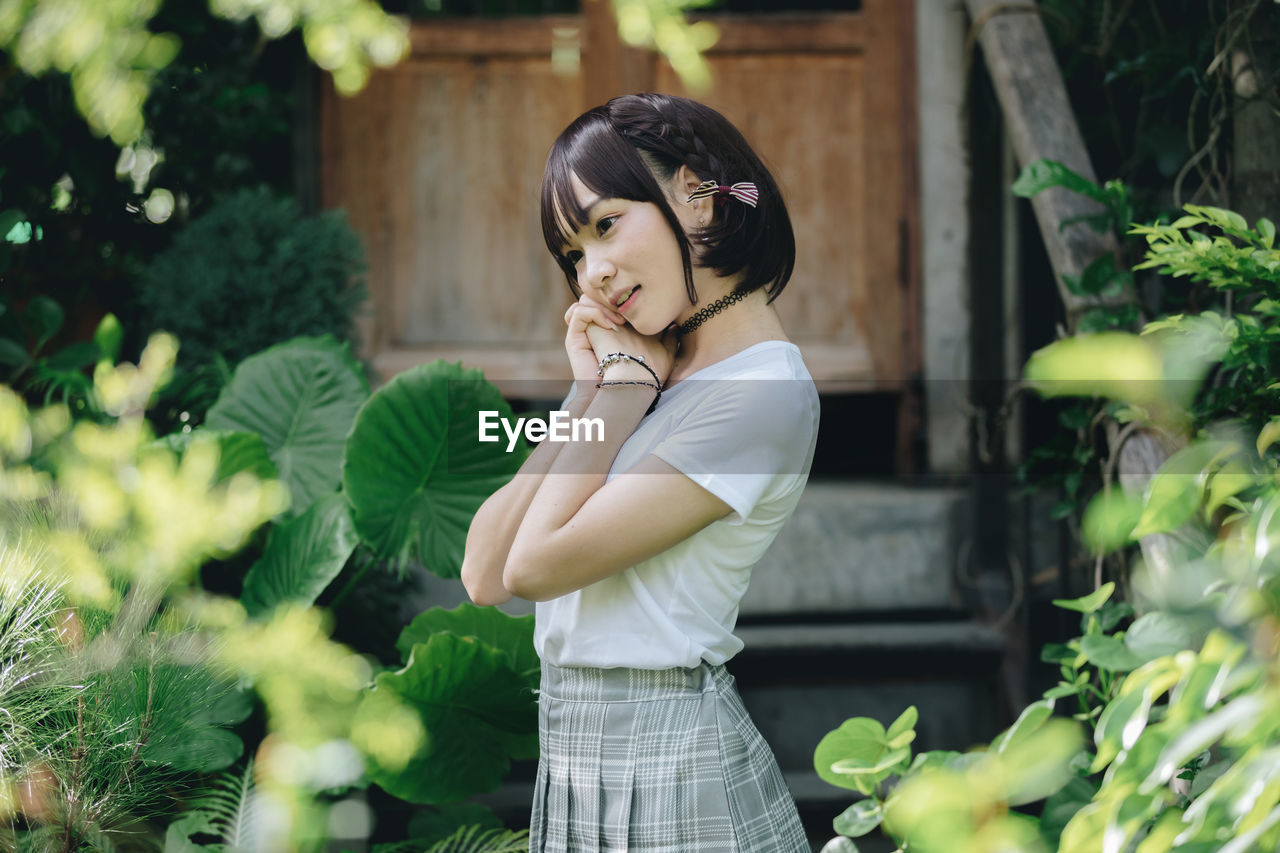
<point>578,530</point>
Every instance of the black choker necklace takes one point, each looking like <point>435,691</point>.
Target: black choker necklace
<point>710,311</point>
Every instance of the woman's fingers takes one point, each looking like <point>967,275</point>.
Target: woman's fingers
<point>584,314</point>
<point>607,310</point>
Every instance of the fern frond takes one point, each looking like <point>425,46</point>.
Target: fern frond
<point>231,807</point>
<point>477,839</point>
<point>410,846</point>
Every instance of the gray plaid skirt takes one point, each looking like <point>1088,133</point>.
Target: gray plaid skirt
<point>665,761</point>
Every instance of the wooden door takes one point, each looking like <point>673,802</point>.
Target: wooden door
<point>438,163</point>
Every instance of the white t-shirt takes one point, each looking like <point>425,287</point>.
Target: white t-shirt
<point>744,429</point>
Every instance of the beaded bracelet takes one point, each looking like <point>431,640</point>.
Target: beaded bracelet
<point>610,383</point>
<point>615,357</point>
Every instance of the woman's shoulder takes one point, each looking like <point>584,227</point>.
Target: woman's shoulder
<point>768,359</point>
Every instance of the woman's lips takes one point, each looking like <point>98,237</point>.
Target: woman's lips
<point>630,300</point>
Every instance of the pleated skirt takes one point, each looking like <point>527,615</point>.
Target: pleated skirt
<point>663,761</point>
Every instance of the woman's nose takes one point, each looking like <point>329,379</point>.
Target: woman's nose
<point>600,270</point>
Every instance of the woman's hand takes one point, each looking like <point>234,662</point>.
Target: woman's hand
<point>583,315</point>
<point>658,351</point>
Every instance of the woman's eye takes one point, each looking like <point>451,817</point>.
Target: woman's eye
<point>605,224</point>
<point>573,257</point>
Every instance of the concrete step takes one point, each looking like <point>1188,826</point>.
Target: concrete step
<point>854,547</point>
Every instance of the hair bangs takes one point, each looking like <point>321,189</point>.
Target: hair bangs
<point>607,165</point>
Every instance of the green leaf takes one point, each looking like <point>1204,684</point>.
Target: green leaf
<point>1107,651</point>
<point>1057,653</point>
<point>935,758</point>
<point>511,635</point>
<point>1240,713</point>
<point>302,557</point>
<point>1088,603</point>
<point>415,469</point>
<point>1112,613</point>
<point>1061,691</point>
<point>1171,500</point>
<point>1118,365</point>
<point>1031,719</point>
<point>12,353</point>
<point>237,451</point>
<point>1174,492</point>
<point>109,336</point>
<point>1043,174</point>
<point>1267,230</point>
<point>1109,520</point>
<point>1040,762</point>
<point>1232,479</point>
<point>872,769</point>
<point>1268,435</point>
<point>905,724</point>
<point>477,712</point>
<point>859,819</point>
<point>1119,725</point>
<point>301,397</point>
<point>44,318</point>
<point>73,356</point>
<point>1098,274</point>
<point>177,838</point>
<point>857,739</point>
<point>1157,634</point>
<point>8,221</point>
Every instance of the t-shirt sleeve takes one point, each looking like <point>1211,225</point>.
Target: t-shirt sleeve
<point>749,439</point>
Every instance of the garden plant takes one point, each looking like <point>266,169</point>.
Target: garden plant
<point>144,711</point>
<point>1164,730</point>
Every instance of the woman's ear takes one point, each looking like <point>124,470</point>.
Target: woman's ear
<point>685,182</point>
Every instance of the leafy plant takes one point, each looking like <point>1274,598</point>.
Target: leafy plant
<point>413,470</point>
<point>59,376</point>
<point>227,810</point>
<point>470,839</point>
<point>470,675</point>
<point>1180,703</point>
<point>1242,264</point>
<point>121,678</point>
<point>301,396</point>
<point>254,272</point>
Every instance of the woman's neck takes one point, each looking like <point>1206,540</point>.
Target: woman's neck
<point>735,328</point>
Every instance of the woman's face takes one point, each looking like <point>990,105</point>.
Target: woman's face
<point>626,257</point>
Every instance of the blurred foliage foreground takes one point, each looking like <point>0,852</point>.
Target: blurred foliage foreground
<point>1164,730</point>
<point>126,687</point>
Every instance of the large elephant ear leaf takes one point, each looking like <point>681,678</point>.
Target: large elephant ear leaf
<point>415,469</point>
<point>301,397</point>
<point>512,635</point>
<point>302,556</point>
<point>477,713</point>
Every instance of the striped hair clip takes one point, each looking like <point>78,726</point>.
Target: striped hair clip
<point>744,192</point>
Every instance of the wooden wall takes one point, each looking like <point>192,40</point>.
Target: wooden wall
<point>438,162</point>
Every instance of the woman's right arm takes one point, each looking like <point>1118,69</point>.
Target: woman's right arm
<point>495,524</point>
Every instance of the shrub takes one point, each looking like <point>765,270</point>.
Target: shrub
<point>253,272</point>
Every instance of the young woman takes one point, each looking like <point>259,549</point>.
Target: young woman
<point>637,548</point>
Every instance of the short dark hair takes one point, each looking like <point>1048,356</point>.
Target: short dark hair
<point>622,149</point>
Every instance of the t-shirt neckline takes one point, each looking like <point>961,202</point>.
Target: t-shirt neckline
<point>742,352</point>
